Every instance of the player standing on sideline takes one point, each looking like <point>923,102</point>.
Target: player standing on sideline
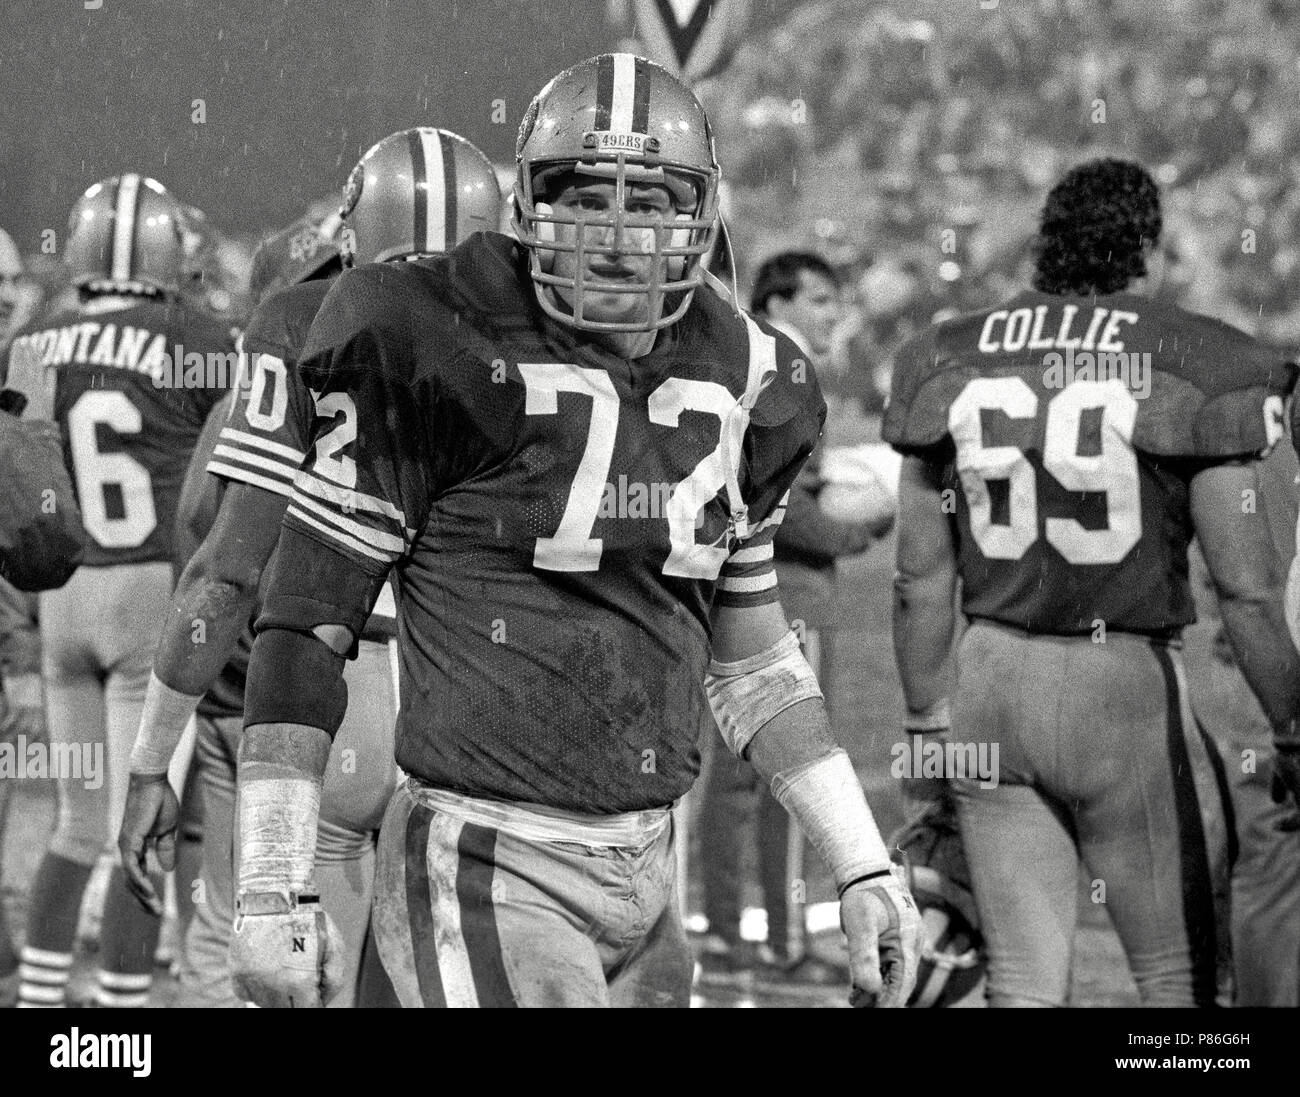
<point>797,293</point>
<point>416,193</point>
<point>568,448</point>
<point>1061,451</point>
<point>129,423</point>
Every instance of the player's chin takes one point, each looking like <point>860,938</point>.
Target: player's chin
<point>615,308</point>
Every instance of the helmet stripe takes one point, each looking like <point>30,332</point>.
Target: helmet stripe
<point>620,110</point>
<point>126,204</point>
<point>451,217</point>
<point>419,185</point>
<point>434,196</point>
<point>641,98</point>
<point>604,90</point>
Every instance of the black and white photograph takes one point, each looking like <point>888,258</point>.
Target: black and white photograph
<point>768,504</point>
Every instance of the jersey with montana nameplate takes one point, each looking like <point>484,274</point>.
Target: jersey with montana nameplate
<point>560,519</point>
<point>1070,429</point>
<point>135,381</point>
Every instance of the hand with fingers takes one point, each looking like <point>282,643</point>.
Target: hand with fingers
<point>148,823</point>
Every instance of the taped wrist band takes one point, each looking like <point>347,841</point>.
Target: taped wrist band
<point>826,799</point>
<point>878,874</point>
<point>162,723</point>
<point>277,833</point>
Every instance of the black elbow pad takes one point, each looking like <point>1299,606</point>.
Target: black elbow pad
<point>295,678</point>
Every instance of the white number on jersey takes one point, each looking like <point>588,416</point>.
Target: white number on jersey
<point>1113,470</point>
<point>95,471</point>
<point>340,470</point>
<point>572,548</point>
<point>267,369</point>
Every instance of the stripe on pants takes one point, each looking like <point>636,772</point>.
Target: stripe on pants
<point>1198,895</point>
<point>477,849</point>
<point>443,860</point>
<point>419,908</point>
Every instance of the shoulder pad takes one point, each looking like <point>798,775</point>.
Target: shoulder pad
<point>1217,393</point>
<point>280,323</point>
<point>916,416</point>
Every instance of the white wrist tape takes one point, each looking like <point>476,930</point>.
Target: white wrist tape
<point>745,695</point>
<point>277,833</point>
<point>826,800</point>
<point>166,712</point>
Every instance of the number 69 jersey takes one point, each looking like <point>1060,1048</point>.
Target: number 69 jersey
<point>1070,428</point>
<point>135,379</point>
<point>561,519</point>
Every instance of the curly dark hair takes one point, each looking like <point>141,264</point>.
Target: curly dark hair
<point>1097,225</point>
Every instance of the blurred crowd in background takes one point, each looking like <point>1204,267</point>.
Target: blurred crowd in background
<point>912,145</point>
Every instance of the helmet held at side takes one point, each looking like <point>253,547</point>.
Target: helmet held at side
<point>418,192</point>
<point>953,961</point>
<point>625,120</point>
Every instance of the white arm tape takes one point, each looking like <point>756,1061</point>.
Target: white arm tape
<point>745,695</point>
<point>826,799</point>
<point>277,833</point>
<point>162,723</point>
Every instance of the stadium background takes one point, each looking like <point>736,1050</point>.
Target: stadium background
<point>910,142</point>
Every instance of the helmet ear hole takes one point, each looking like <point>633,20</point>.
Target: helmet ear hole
<point>678,238</point>
<point>545,233</point>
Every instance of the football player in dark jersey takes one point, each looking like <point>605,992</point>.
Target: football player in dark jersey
<point>572,451</point>
<point>391,194</point>
<point>1061,451</point>
<point>134,373</point>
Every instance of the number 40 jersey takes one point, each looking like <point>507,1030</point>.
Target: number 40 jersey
<point>135,379</point>
<point>561,520</point>
<point>1069,429</point>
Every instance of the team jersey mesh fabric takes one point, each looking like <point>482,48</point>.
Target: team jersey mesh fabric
<point>526,483</point>
<point>129,419</point>
<point>1070,471</point>
<point>264,439</point>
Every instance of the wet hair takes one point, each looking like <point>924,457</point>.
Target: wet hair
<point>779,276</point>
<point>1097,226</point>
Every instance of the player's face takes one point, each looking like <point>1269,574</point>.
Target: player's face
<point>813,311</point>
<point>11,283</point>
<point>633,263</point>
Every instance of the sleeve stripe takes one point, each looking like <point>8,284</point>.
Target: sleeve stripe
<point>385,542</point>
<point>747,584</point>
<point>754,555</point>
<point>231,472</point>
<point>343,539</point>
<point>270,464</point>
<point>242,437</point>
<point>312,484</point>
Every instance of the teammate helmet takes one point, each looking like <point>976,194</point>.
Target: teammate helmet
<point>418,192</point>
<point>297,253</point>
<point>127,234</point>
<point>628,120</point>
<point>952,960</point>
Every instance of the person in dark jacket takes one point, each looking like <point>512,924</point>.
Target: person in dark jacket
<point>40,525</point>
<point>798,294</point>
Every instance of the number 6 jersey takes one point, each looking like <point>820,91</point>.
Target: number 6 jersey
<point>562,520</point>
<point>135,379</point>
<point>1069,428</point>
